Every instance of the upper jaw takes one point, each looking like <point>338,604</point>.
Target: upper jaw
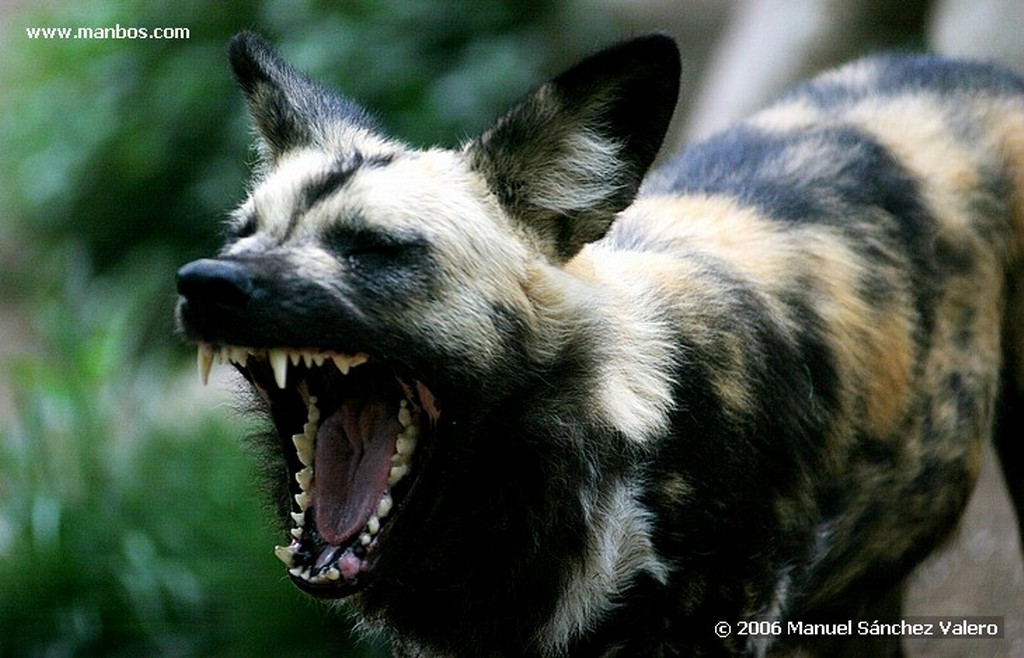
<point>349,426</point>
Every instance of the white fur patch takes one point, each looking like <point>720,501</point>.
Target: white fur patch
<point>587,174</point>
<point>634,391</point>
<point>619,549</point>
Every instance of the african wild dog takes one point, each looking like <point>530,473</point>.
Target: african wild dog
<point>521,409</point>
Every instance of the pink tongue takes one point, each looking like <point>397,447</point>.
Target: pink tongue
<point>351,466</point>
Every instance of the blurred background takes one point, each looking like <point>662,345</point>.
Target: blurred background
<point>129,519</point>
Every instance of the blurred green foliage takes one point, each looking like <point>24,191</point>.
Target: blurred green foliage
<point>129,522</point>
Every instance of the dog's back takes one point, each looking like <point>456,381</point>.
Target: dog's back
<point>870,225</point>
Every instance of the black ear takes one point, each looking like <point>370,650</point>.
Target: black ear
<point>289,109</point>
<point>574,152</point>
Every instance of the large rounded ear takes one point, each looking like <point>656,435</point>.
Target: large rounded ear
<point>290,110</point>
<point>573,153</point>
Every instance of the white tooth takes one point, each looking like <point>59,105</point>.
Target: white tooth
<point>398,459</point>
<point>319,358</point>
<point>365,539</point>
<point>398,472</point>
<point>279,364</point>
<point>299,518</point>
<point>294,357</point>
<point>357,360</point>
<point>303,499</point>
<point>238,355</point>
<point>306,573</point>
<point>384,506</point>
<point>307,359</point>
<point>303,448</point>
<point>286,554</point>
<point>332,573</point>
<point>411,432</point>
<point>405,445</point>
<point>341,362</point>
<point>205,361</point>
<point>404,417</point>
<point>296,571</point>
<point>373,525</point>
<point>304,477</point>
<point>297,533</point>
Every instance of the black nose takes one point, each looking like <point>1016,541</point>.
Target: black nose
<point>215,283</point>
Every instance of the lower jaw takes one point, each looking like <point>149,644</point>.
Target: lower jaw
<point>332,590</point>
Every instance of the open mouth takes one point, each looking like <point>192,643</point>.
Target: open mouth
<point>349,425</point>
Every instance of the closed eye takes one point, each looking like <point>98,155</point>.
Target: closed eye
<point>367,243</point>
<point>242,227</point>
<point>381,249</point>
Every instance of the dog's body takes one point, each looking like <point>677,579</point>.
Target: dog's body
<point>760,394</point>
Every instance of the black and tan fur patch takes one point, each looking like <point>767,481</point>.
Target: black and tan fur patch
<point>754,385</point>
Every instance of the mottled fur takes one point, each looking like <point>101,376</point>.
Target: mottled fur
<point>757,389</point>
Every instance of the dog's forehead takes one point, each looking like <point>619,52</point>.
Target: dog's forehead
<point>432,188</point>
<point>312,190</point>
<point>278,195</point>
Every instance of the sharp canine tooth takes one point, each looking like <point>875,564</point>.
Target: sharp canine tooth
<point>279,364</point>
<point>205,361</point>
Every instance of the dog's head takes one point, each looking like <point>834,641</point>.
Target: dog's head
<point>387,303</point>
